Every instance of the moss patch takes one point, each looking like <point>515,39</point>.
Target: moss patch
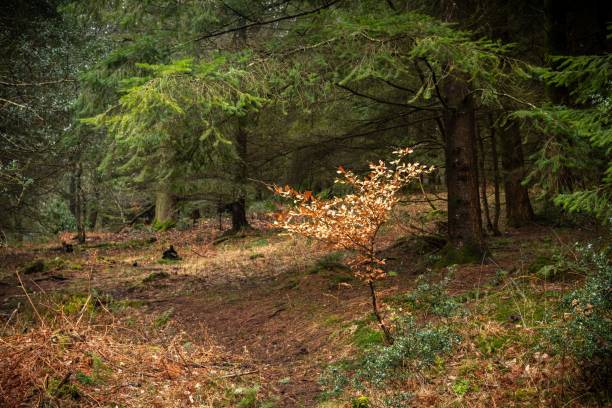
<point>451,255</point>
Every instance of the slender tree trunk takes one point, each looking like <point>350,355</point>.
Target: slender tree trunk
<point>381,323</point>
<point>92,217</point>
<point>464,217</point>
<point>518,206</point>
<point>165,201</point>
<point>77,201</point>
<point>93,208</point>
<point>483,181</point>
<point>238,208</point>
<point>496,181</point>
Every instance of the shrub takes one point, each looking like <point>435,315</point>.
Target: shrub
<point>57,216</point>
<point>414,349</point>
<point>353,221</point>
<point>432,297</point>
<point>584,330</point>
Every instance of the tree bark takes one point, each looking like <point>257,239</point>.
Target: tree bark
<point>464,216</point>
<point>239,219</point>
<point>238,207</point>
<point>164,207</point>
<point>518,206</point>
<point>77,201</point>
<point>483,180</point>
<point>496,181</point>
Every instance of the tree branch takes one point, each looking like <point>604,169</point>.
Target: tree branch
<point>266,22</point>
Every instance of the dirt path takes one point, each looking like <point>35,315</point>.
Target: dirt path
<point>278,326</point>
<point>266,310</point>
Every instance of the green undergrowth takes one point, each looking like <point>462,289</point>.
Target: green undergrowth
<point>135,243</point>
<point>331,262</point>
<point>332,268</point>
<point>50,264</point>
<point>415,348</point>
<point>168,261</point>
<point>250,397</point>
<point>71,303</point>
<point>449,255</point>
<point>430,296</point>
<point>162,226</point>
<point>155,276</point>
<point>518,317</point>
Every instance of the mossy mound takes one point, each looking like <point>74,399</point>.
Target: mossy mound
<point>452,255</point>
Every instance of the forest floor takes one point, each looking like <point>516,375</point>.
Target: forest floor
<point>255,321</point>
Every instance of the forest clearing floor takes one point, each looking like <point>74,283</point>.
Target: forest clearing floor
<point>268,313</point>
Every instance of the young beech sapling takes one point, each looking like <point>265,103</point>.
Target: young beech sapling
<point>353,221</point>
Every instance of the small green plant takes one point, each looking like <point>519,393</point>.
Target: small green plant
<point>500,276</point>
<point>461,387</point>
<point>163,319</point>
<point>432,297</point>
<point>62,389</point>
<point>365,337</point>
<point>334,380</point>
<point>247,395</point>
<point>155,276</point>
<point>488,344</point>
<point>398,400</point>
<point>75,303</point>
<point>162,226</point>
<point>84,378</point>
<point>557,265</point>
<point>360,402</point>
<point>100,371</point>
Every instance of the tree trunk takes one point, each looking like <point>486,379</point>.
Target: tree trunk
<point>238,207</point>
<point>518,206</point>
<point>239,219</point>
<point>77,201</point>
<point>164,208</point>
<point>464,217</point>
<point>495,157</point>
<point>483,180</point>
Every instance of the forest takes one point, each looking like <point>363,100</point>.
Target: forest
<point>305,203</point>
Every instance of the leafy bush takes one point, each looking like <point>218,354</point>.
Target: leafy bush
<point>432,297</point>
<point>57,216</point>
<point>556,266</point>
<point>585,328</point>
<point>413,349</point>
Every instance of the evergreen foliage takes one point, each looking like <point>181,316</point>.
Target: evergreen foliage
<point>574,167</point>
